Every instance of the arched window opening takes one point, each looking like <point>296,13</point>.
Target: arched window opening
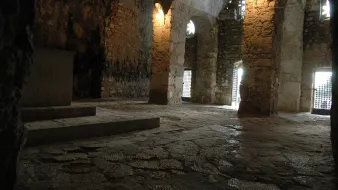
<point>236,82</point>
<point>322,95</point>
<point>191,29</point>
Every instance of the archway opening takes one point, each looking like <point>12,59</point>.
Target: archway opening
<point>189,61</point>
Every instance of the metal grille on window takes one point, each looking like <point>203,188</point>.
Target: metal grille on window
<point>322,90</point>
<point>234,87</point>
<point>236,81</point>
<point>187,84</point>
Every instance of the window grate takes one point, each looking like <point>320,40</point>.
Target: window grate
<point>234,87</point>
<point>323,90</point>
<point>187,84</point>
<point>236,81</point>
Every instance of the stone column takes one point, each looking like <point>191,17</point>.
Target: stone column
<point>168,55</point>
<point>160,58</point>
<point>205,78</point>
<point>229,52</point>
<point>291,57</point>
<point>259,84</point>
<point>334,109</point>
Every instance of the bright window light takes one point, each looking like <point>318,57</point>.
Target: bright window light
<point>322,90</point>
<point>190,29</point>
<point>237,79</point>
<point>325,10</point>
<point>187,84</point>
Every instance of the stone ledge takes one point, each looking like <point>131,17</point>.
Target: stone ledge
<point>49,113</point>
<point>45,132</point>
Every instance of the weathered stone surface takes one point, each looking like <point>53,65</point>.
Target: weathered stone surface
<point>291,58</point>
<point>169,51</point>
<point>260,61</point>
<point>145,164</point>
<point>114,156</point>
<point>122,30</point>
<point>183,149</point>
<point>170,164</point>
<point>239,184</point>
<point>230,33</point>
<point>70,157</point>
<point>147,154</point>
<point>212,145</point>
<point>119,171</point>
<point>79,168</point>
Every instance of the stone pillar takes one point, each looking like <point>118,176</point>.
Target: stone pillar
<point>168,55</point>
<point>334,108</point>
<point>259,83</point>
<point>229,52</point>
<point>291,57</point>
<point>160,58</point>
<point>205,78</point>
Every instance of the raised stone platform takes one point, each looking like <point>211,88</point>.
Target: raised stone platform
<point>49,113</point>
<point>104,124</point>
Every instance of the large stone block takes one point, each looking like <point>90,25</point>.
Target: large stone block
<point>51,79</point>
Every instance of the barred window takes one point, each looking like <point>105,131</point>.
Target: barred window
<point>187,84</point>
<point>322,90</point>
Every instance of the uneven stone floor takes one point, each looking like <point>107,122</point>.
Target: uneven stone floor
<point>196,147</point>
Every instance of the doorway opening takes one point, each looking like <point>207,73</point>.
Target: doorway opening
<point>236,82</point>
<point>322,92</point>
<point>187,76</point>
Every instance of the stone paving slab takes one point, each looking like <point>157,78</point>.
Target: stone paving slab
<point>49,113</point>
<point>104,124</point>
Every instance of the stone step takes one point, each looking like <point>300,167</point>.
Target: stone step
<point>46,132</point>
<point>50,113</point>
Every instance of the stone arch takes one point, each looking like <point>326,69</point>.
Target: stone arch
<point>169,50</point>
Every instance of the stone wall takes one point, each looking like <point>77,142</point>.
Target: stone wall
<point>129,38</point>
<point>317,52</point>
<point>123,30</point>
<point>229,52</point>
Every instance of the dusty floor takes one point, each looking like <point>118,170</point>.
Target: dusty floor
<point>196,147</point>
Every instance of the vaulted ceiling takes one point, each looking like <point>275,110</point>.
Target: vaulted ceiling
<point>211,7</point>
